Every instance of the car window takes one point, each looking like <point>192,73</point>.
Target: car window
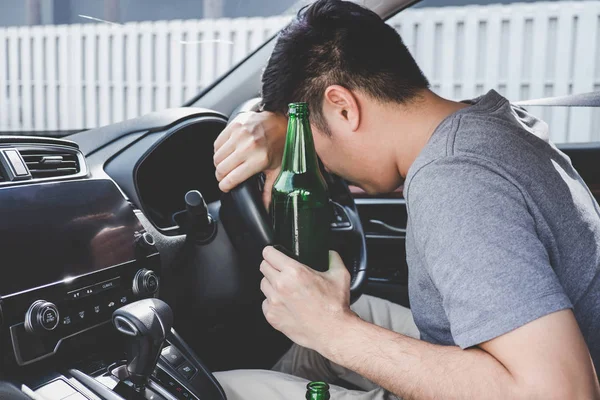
<point>522,50</point>
<point>70,65</point>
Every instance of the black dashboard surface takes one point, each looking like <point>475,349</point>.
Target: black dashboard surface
<point>91,140</point>
<point>157,168</point>
<point>90,228</point>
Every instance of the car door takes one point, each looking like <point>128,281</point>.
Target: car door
<point>384,220</point>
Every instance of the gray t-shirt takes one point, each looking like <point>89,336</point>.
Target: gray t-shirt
<point>501,229</point>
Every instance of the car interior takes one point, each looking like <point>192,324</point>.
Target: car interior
<point>124,262</point>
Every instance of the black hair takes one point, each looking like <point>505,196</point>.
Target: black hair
<point>335,42</point>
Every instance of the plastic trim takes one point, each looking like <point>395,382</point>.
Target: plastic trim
<point>17,353</point>
<point>206,118</point>
<point>93,385</point>
<point>156,254</point>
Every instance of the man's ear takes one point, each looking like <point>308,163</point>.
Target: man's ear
<point>344,105</point>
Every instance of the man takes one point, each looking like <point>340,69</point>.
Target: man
<point>502,243</point>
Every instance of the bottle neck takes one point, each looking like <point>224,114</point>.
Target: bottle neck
<point>299,155</point>
<point>317,391</point>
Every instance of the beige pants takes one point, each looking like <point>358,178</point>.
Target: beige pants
<point>288,378</point>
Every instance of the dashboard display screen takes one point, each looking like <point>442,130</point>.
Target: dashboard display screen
<point>54,231</point>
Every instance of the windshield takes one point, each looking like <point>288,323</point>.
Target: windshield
<point>69,65</point>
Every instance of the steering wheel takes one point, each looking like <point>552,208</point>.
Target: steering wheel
<point>250,227</point>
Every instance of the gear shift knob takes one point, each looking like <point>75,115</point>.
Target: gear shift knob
<point>147,322</point>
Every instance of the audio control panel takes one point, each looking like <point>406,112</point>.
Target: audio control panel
<point>39,319</point>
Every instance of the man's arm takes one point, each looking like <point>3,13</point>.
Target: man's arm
<point>527,363</point>
<point>544,359</point>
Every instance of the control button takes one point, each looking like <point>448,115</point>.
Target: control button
<point>93,289</point>
<point>75,294</point>
<point>340,224</point>
<point>49,317</point>
<point>145,242</point>
<point>111,305</point>
<point>40,316</point>
<point>152,283</point>
<point>81,314</point>
<point>341,219</point>
<point>97,309</point>
<point>173,356</point>
<point>81,293</point>
<point>145,282</point>
<point>187,370</point>
<point>123,300</point>
<point>178,391</point>
<point>107,285</point>
<point>66,320</point>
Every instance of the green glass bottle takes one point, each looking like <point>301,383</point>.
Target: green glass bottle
<point>300,202</point>
<point>317,391</point>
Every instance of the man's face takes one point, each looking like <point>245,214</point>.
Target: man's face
<point>361,157</point>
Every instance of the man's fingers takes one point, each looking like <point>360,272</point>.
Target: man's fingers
<point>224,151</point>
<point>269,271</point>
<point>265,306</point>
<point>267,288</point>
<point>335,261</point>
<point>235,177</point>
<point>228,165</point>
<point>277,259</point>
<point>337,267</point>
<point>224,136</point>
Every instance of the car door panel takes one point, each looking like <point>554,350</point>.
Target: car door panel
<point>384,222</point>
<point>585,157</point>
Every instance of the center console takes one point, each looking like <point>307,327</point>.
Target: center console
<point>69,269</point>
<point>178,375</point>
<point>65,273</point>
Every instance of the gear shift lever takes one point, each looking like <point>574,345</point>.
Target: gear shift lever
<point>147,322</point>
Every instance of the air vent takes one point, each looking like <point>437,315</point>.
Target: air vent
<point>47,163</point>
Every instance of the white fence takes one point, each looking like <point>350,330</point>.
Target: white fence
<point>83,76</point>
<point>523,51</point>
<point>70,77</point>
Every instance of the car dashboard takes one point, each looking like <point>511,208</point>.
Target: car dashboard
<point>87,226</point>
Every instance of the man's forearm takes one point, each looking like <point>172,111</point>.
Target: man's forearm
<point>414,369</point>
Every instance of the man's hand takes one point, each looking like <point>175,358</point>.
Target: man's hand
<point>251,143</point>
<point>303,303</point>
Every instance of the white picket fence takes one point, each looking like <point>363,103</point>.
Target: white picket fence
<point>83,76</point>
